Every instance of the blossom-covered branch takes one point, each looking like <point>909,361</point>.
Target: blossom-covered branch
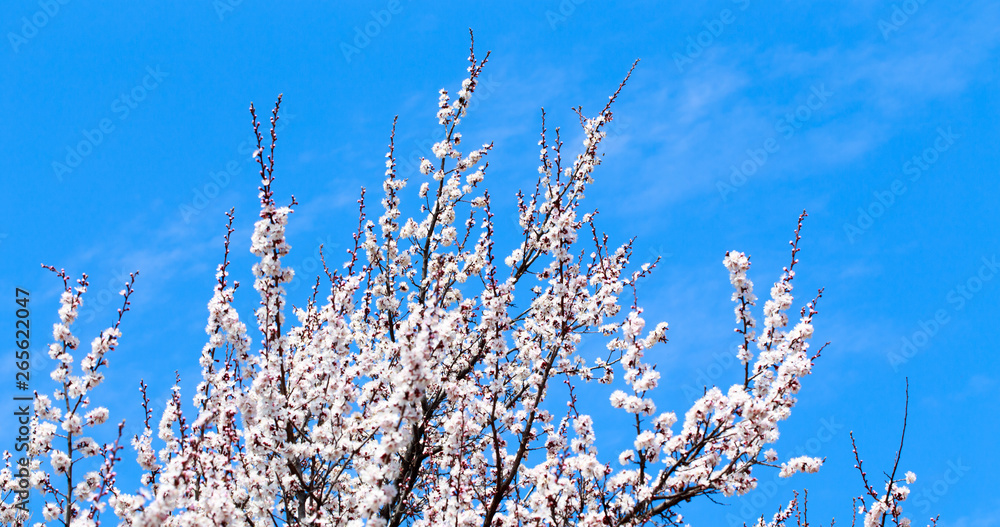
<point>415,386</point>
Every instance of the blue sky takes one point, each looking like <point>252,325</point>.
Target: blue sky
<point>127,136</point>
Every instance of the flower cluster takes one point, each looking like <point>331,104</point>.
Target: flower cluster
<point>887,506</point>
<point>413,387</point>
<point>60,421</point>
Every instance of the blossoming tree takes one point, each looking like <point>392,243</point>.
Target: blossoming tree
<point>411,389</point>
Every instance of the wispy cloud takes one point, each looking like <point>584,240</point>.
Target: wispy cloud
<point>705,120</point>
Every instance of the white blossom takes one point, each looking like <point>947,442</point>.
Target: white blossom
<point>416,382</point>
